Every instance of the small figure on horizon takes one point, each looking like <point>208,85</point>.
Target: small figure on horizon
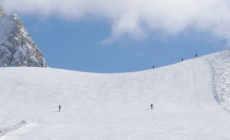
<point>197,55</point>
<point>59,108</point>
<point>151,106</point>
<point>153,67</point>
<point>182,59</point>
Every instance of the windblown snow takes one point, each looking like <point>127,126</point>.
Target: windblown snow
<point>188,99</point>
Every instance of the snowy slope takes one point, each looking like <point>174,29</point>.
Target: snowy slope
<point>117,106</point>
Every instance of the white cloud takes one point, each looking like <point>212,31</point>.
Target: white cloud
<point>137,18</point>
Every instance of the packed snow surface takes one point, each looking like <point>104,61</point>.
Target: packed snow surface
<point>117,106</point>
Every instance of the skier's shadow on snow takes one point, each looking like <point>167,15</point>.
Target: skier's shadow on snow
<point>57,111</point>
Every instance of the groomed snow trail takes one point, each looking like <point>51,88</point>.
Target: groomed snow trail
<point>115,106</point>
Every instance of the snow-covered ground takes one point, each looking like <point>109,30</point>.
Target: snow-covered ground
<point>117,106</point>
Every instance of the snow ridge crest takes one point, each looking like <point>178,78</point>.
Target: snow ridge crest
<point>16,45</point>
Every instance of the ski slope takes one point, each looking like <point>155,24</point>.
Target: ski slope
<point>117,106</point>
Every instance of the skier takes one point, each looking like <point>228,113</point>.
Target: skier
<point>59,108</point>
<point>153,67</point>
<point>151,106</point>
<point>182,59</point>
<point>196,55</point>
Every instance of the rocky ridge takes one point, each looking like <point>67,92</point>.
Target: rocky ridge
<point>16,45</point>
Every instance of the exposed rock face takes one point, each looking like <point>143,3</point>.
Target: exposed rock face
<point>16,45</point>
<point>1,11</point>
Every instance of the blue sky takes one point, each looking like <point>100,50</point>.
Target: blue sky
<point>93,41</point>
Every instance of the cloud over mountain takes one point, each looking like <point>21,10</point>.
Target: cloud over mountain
<point>138,18</point>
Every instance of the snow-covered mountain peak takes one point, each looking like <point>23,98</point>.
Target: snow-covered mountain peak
<point>16,45</point>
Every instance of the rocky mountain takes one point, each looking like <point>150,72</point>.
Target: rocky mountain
<point>16,45</point>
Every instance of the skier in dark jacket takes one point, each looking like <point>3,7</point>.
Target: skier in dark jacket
<point>59,108</point>
<point>151,106</point>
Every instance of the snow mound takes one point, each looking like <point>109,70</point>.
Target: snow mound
<point>9,129</point>
<point>220,63</point>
